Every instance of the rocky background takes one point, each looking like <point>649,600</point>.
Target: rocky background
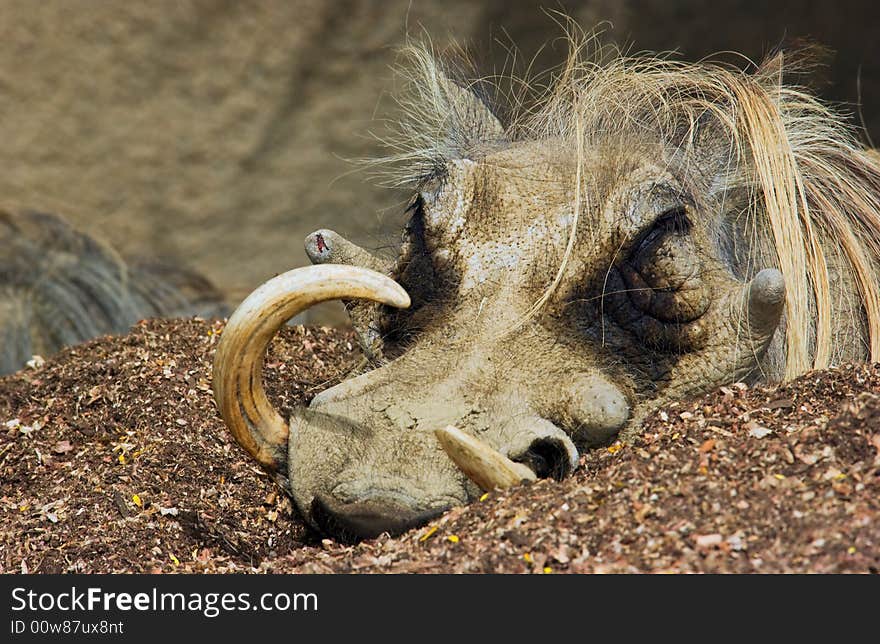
<point>217,132</point>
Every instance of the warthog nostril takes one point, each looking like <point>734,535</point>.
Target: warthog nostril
<point>547,458</point>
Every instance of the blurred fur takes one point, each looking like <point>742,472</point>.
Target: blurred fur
<point>59,287</point>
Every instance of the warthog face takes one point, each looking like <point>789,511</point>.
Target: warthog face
<point>550,290</point>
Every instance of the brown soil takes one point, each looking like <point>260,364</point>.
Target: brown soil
<point>113,459</point>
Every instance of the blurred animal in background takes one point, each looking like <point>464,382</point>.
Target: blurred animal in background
<point>646,230</point>
<point>59,286</point>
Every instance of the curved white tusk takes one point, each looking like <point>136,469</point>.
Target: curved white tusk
<point>485,466</point>
<point>238,363</point>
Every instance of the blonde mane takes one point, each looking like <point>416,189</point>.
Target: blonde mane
<point>814,189</point>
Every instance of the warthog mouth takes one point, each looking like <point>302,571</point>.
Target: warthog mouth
<point>349,513</point>
<point>353,522</point>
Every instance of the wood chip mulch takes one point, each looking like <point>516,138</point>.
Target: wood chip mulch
<point>113,459</point>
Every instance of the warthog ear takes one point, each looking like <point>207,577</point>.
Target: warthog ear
<point>471,125</point>
<point>442,117</point>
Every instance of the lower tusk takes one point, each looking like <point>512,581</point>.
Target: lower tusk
<point>764,302</point>
<point>485,466</point>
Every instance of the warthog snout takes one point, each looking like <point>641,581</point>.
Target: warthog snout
<point>399,444</point>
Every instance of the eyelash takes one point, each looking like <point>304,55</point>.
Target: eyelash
<point>674,220</point>
<point>415,205</point>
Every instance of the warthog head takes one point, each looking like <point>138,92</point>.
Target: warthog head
<point>655,229</point>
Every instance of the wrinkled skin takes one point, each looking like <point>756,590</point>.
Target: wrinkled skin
<point>649,308</point>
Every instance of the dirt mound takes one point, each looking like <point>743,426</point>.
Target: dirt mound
<point>113,459</point>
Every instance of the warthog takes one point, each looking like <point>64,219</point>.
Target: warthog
<point>651,230</point>
<point>59,287</point>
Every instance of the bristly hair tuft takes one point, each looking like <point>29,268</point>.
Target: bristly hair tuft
<point>815,190</point>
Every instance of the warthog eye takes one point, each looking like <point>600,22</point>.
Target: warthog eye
<point>663,272</point>
<point>675,220</point>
